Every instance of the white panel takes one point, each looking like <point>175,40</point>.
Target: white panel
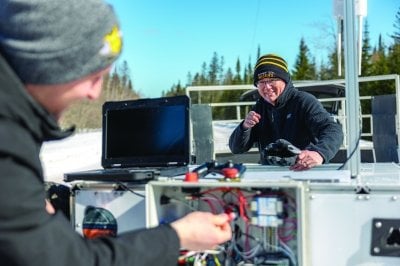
<point>126,207</point>
<point>361,8</point>
<point>339,227</point>
<point>338,8</point>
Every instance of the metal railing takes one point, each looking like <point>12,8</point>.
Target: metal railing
<point>365,119</point>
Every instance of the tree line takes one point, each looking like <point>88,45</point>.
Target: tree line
<point>378,60</point>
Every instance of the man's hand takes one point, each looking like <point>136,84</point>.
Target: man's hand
<point>49,208</point>
<point>306,160</point>
<point>251,120</point>
<point>202,230</point>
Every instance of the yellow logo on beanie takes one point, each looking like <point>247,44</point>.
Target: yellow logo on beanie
<point>112,43</point>
<point>268,74</point>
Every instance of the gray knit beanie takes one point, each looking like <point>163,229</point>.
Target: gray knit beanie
<point>58,41</point>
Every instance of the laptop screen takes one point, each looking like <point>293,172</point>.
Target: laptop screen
<point>146,132</point>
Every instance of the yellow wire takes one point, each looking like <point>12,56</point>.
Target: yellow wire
<point>217,263</point>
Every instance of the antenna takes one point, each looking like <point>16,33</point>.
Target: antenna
<point>361,11</point>
<point>338,12</point>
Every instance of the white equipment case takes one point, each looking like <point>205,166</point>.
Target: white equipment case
<point>109,207</point>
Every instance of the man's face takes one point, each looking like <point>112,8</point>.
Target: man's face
<point>270,88</point>
<point>57,98</point>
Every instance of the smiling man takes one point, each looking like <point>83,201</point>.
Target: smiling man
<point>283,112</point>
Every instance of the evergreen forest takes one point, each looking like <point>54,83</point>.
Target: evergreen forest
<point>382,59</point>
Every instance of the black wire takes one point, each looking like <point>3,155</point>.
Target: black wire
<point>352,152</point>
<point>130,190</point>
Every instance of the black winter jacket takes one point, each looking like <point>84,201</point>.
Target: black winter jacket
<point>30,236</point>
<point>297,117</point>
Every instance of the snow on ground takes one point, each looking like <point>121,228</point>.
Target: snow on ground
<point>80,152</point>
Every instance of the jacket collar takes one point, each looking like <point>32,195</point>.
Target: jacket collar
<point>17,105</point>
<point>285,96</point>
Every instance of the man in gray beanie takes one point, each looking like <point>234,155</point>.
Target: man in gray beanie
<point>52,54</point>
<point>289,127</point>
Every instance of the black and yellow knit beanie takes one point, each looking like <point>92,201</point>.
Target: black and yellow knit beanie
<point>271,66</point>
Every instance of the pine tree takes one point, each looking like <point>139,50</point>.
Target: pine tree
<point>189,78</point>
<point>330,70</point>
<point>248,76</point>
<point>227,96</point>
<point>228,78</point>
<point>366,88</point>
<point>379,60</point>
<point>394,58</point>
<point>366,52</point>
<point>396,25</point>
<point>237,79</point>
<point>213,70</point>
<point>324,71</point>
<point>175,90</point>
<point>380,66</point>
<point>304,68</point>
<point>203,76</point>
<point>221,74</point>
<point>394,50</point>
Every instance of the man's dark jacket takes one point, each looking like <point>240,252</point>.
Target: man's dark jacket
<point>30,236</point>
<point>297,117</point>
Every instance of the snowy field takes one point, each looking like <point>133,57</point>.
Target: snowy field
<point>82,151</point>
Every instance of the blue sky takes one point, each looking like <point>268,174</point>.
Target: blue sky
<point>166,39</point>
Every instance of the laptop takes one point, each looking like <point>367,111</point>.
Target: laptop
<point>142,139</point>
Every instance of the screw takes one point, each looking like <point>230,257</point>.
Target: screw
<point>378,224</point>
<point>377,250</point>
